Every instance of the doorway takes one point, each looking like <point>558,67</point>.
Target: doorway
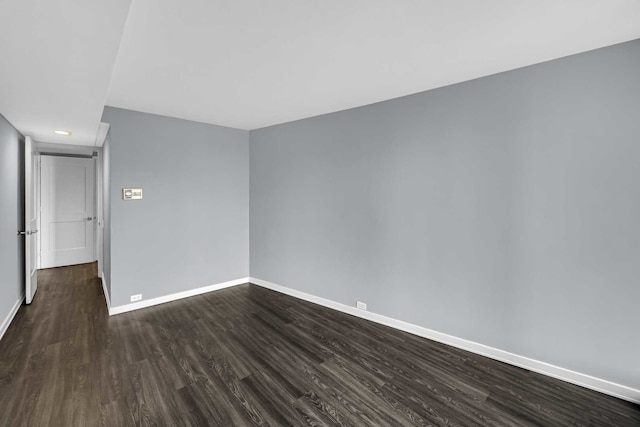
<point>65,188</point>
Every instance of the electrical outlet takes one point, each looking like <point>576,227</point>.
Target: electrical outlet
<point>361,305</point>
<point>137,297</point>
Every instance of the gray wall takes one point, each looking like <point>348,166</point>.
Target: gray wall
<point>106,212</point>
<point>11,217</point>
<point>504,210</point>
<point>192,227</point>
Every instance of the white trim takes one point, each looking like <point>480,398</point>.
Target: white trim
<point>97,226</point>
<point>7,321</point>
<point>104,290</point>
<point>101,134</point>
<point>168,298</point>
<point>584,380</point>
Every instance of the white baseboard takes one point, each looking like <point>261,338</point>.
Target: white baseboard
<point>104,290</point>
<point>7,321</point>
<point>587,381</point>
<point>168,298</point>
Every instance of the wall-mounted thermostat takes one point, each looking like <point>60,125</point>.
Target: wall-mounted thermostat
<point>132,194</point>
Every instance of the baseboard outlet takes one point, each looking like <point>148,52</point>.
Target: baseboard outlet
<point>7,321</point>
<point>104,290</point>
<point>583,380</point>
<point>173,297</point>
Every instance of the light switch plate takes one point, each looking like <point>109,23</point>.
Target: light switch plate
<point>132,194</point>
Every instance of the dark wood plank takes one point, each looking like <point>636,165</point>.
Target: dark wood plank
<point>249,356</point>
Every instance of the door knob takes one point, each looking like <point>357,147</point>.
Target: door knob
<point>23,233</point>
<point>89,218</point>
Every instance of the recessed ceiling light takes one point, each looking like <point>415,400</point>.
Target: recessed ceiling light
<point>62,132</point>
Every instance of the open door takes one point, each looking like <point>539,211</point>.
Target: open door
<point>31,219</point>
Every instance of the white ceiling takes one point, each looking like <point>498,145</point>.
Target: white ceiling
<point>56,59</point>
<point>254,63</point>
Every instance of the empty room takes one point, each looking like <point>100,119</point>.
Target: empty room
<point>319,213</point>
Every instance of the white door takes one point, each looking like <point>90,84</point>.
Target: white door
<point>30,220</point>
<point>67,211</point>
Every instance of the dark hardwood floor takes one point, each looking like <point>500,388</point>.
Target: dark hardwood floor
<point>249,356</point>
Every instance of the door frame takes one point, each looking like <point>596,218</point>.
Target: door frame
<point>44,148</point>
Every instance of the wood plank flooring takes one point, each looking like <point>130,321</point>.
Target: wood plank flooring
<point>248,356</point>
